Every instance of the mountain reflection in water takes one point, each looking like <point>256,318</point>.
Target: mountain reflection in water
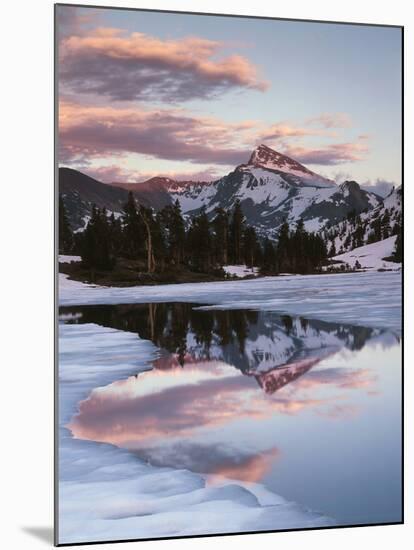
<point>254,342</point>
<point>223,394</point>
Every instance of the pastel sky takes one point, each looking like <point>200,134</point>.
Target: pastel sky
<point>185,96</point>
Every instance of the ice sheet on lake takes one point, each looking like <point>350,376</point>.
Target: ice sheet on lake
<point>107,493</point>
<point>367,299</point>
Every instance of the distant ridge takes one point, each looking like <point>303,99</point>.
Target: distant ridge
<point>271,188</point>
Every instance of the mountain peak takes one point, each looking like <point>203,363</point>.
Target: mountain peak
<point>265,157</point>
<point>262,153</point>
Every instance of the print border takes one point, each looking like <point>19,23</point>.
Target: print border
<point>56,289</point>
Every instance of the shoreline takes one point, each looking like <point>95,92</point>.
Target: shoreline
<point>200,279</point>
<point>347,298</point>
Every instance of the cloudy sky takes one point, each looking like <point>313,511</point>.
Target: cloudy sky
<point>143,94</point>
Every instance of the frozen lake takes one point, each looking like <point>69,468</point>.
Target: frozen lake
<point>367,299</point>
<point>283,419</point>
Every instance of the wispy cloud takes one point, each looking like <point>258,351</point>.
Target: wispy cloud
<point>331,120</point>
<point>285,130</point>
<point>331,155</point>
<point>88,132</point>
<point>119,65</point>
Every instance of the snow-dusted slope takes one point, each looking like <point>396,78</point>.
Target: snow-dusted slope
<point>272,188</point>
<point>376,224</point>
<point>371,256</point>
<point>268,158</point>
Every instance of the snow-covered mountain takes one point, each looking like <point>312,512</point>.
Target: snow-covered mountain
<point>79,192</point>
<point>380,223</point>
<point>273,187</point>
<point>270,186</point>
<point>269,159</point>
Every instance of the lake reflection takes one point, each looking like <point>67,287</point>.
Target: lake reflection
<point>308,408</point>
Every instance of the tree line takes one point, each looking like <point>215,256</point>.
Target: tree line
<point>354,231</point>
<point>164,240</point>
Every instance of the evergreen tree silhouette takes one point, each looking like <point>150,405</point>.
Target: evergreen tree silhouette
<point>249,246</point>
<point>66,240</point>
<point>220,226</point>
<point>236,233</point>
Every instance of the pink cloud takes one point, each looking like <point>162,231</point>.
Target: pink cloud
<point>131,66</point>
<point>87,132</point>
<point>74,20</point>
<point>331,120</point>
<point>283,130</point>
<point>251,469</point>
<point>337,153</point>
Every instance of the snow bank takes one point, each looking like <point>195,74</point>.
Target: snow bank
<point>240,270</point>
<point>367,299</point>
<point>107,493</point>
<point>65,259</point>
<point>370,256</point>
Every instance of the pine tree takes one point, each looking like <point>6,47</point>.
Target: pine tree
<point>200,243</point>
<point>385,224</point>
<point>174,225</point>
<point>376,229</point>
<point>134,230</point>
<point>359,233</point>
<point>249,246</point>
<point>96,246</point>
<point>269,264</point>
<point>258,254</point>
<point>66,240</point>
<point>299,249</point>
<point>398,250</point>
<point>332,250</point>
<point>320,251</point>
<point>116,235</point>
<point>236,233</point>
<point>221,236</point>
<point>396,229</point>
<point>283,251</point>
<point>347,241</point>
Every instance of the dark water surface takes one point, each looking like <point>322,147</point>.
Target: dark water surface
<point>310,409</point>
